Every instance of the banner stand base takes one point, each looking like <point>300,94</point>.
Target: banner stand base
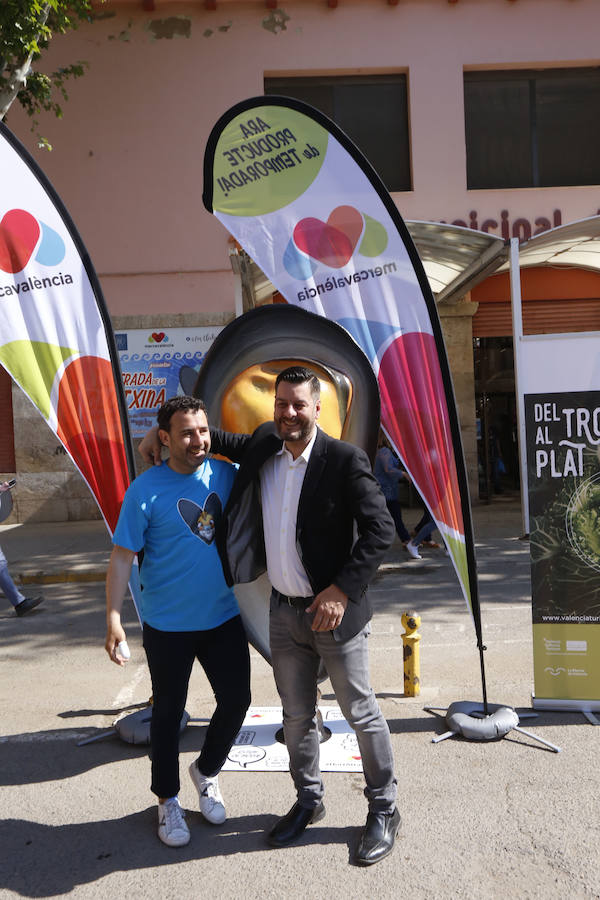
<point>135,727</point>
<point>585,707</point>
<point>469,720</point>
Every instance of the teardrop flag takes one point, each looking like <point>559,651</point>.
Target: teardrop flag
<point>305,204</point>
<point>56,339</point>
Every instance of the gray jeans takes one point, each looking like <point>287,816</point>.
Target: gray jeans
<point>296,652</point>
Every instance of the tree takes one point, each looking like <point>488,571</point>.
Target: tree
<point>26,28</point>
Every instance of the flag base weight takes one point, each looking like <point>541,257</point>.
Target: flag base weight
<point>134,728</point>
<point>468,719</point>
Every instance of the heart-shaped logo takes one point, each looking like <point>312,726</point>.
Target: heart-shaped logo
<point>202,520</point>
<point>332,242</point>
<point>19,234</point>
<point>158,336</point>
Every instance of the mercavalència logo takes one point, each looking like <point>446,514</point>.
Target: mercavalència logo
<point>24,238</point>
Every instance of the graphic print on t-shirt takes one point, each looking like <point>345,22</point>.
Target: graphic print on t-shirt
<point>201,520</point>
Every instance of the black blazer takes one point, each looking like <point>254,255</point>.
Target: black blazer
<point>343,525</point>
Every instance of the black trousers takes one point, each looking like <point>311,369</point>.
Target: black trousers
<point>223,654</point>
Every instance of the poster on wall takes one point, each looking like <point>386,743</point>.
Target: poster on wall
<point>563,462</point>
<point>157,364</point>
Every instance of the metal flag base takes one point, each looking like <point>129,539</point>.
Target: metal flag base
<point>469,720</point>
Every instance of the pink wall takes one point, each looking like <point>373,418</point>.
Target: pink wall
<point>127,156</point>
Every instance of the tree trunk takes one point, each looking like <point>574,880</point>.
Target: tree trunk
<point>18,77</point>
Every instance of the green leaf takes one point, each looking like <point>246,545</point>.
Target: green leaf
<point>26,29</point>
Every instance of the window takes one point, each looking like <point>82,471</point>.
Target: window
<point>532,128</point>
<point>371,109</point>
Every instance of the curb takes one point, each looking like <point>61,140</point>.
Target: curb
<point>59,577</point>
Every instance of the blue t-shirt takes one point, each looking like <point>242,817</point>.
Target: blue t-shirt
<point>173,518</point>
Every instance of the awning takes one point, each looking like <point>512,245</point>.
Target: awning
<point>455,259</point>
<point>574,244</point>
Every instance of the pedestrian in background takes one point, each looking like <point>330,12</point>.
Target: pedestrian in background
<point>22,604</point>
<point>389,474</point>
<point>421,534</point>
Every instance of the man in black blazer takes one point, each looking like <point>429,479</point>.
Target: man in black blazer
<point>306,508</point>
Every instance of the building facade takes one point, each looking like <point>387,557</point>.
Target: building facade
<point>479,113</point>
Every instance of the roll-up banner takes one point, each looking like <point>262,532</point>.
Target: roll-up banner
<point>56,339</point>
<point>309,209</point>
<point>561,384</point>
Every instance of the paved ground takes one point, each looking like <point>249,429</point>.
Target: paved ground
<point>479,819</point>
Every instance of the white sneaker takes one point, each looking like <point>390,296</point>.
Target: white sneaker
<point>172,829</point>
<point>211,800</point>
<point>413,550</point>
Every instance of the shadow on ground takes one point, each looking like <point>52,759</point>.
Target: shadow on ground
<point>47,860</point>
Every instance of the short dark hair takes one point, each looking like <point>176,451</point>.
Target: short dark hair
<point>178,404</point>
<point>300,375</point>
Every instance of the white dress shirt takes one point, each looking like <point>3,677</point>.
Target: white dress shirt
<point>281,480</point>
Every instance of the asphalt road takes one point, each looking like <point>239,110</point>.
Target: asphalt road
<point>480,820</point>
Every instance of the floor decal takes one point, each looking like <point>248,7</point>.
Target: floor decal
<point>257,749</point>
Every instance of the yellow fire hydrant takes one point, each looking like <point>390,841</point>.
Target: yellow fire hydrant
<point>412,667</point>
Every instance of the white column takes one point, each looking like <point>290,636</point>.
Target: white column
<point>517,324</point>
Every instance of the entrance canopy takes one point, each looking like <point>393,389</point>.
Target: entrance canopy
<point>456,259</point>
<point>575,244</point>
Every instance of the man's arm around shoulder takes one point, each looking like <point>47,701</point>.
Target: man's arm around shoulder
<point>237,446</point>
<point>225,443</point>
<point>229,444</point>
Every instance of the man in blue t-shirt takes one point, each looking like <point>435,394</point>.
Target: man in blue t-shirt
<point>172,512</point>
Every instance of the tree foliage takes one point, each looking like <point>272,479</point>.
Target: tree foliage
<point>26,28</point>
